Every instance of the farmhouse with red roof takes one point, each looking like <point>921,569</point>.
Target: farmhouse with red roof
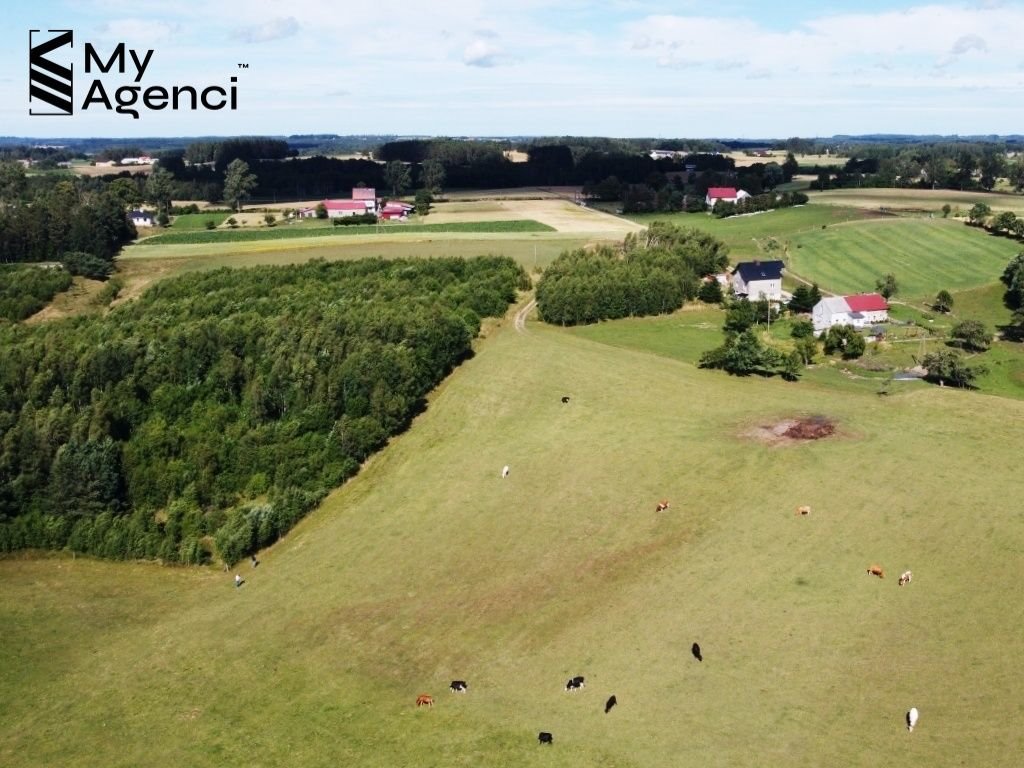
<point>860,310</point>
<point>728,194</point>
<point>364,200</point>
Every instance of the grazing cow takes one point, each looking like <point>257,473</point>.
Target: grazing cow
<point>911,718</point>
<point>545,738</point>
<point>877,570</point>
<point>905,577</point>
<point>424,700</point>
<point>609,704</point>
<point>255,562</point>
<point>565,398</point>
<point>459,686</point>
<point>504,471</point>
<point>662,506</point>
<point>575,683</point>
<point>804,510</point>
<point>695,650</point>
<point>239,581</point>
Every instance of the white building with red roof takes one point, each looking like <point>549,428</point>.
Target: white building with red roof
<point>860,310</point>
<point>728,194</point>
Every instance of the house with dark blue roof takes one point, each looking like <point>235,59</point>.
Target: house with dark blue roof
<point>758,280</point>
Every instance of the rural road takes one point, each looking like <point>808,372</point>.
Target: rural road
<point>521,316</point>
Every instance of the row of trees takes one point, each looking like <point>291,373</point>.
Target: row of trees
<point>145,431</point>
<point>653,272</point>
<point>757,203</point>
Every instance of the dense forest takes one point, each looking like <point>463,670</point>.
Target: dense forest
<point>653,273</point>
<point>26,290</point>
<point>205,418</point>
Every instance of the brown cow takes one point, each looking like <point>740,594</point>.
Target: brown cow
<point>877,570</point>
<point>804,510</point>
<point>662,505</point>
<point>424,700</point>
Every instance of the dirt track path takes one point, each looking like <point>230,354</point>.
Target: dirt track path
<point>520,321</point>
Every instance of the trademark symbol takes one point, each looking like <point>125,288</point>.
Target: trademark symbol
<point>243,66</point>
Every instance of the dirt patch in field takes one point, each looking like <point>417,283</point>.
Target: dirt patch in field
<point>792,431</point>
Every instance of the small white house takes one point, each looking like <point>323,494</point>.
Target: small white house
<point>141,218</point>
<point>860,311</point>
<point>728,194</point>
<point>758,280</point>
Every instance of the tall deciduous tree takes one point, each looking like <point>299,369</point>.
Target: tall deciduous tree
<point>887,286</point>
<point>159,188</point>
<point>238,183</point>
<point>432,176</point>
<point>397,176</point>
<point>943,301</point>
<point>972,334</point>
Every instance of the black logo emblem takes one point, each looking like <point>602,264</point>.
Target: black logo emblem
<point>50,82</point>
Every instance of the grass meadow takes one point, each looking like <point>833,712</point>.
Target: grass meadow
<point>918,200</point>
<point>284,233</point>
<point>429,567</point>
<point>188,222</point>
<point>926,255</point>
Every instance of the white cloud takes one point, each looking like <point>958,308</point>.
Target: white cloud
<point>275,29</point>
<point>136,32</point>
<point>482,53</point>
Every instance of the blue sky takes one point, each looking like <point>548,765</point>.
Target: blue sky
<point>604,67</point>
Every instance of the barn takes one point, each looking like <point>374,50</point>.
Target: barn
<point>860,310</point>
<point>728,194</point>
<point>396,211</point>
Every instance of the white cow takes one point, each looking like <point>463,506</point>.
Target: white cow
<point>905,577</point>
<point>504,471</point>
<point>911,718</point>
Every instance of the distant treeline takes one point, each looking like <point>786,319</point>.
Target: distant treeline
<point>653,273</point>
<point>208,416</point>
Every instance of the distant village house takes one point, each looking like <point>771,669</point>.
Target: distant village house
<point>141,218</point>
<point>728,194</point>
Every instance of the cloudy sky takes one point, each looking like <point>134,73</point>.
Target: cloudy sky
<point>585,67</point>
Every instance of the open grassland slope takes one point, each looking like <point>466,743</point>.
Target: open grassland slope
<point>926,255</point>
<point>930,200</point>
<point>430,567</point>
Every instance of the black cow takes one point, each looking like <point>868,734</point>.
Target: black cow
<point>575,683</point>
<point>695,650</point>
<point>545,738</point>
<point>565,398</point>
<point>609,704</point>
<point>459,686</point>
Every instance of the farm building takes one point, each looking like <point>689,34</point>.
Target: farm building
<point>758,280</point>
<point>337,208</point>
<point>728,194</point>
<point>367,195</point>
<point>141,218</point>
<point>395,210</point>
<point>860,311</point>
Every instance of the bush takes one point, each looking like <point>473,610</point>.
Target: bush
<point>87,265</point>
<point>845,340</point>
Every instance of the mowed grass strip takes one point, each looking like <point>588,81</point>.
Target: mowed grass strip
<point>429,567</point>
<point>926,255</point>
<point>197,221</point>
<point>918,199</point>
<point>283,232</point>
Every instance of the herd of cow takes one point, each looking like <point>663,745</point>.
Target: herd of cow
<point>574,684</point>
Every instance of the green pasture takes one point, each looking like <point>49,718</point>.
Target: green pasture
<point>188,222</point>
<point>748,236</point>
<point>429,567</point>
<point>284,233</point>
<point>918,200</point>
<point>926,255</point>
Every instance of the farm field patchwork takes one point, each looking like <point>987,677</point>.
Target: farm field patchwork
<point>926,255</point>
<point>429,567</point>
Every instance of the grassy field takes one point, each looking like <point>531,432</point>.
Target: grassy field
<point>918,200</point>
<point>285,233</point>
<point>748,236</point>
<point>926,255</point>
<point>429,567</point>
<point>196,221</point>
